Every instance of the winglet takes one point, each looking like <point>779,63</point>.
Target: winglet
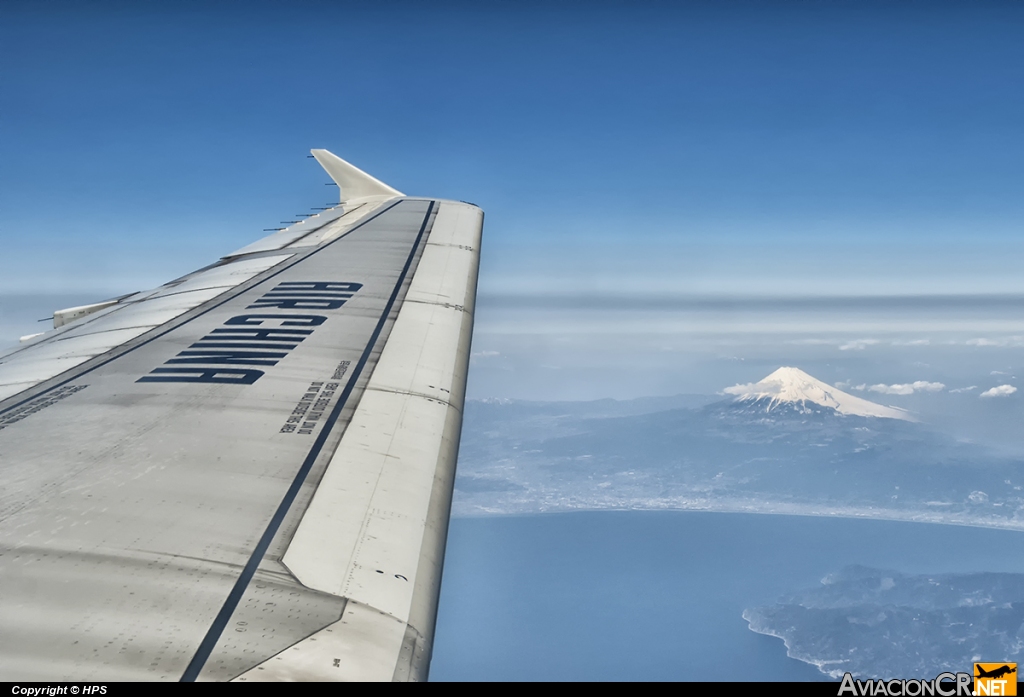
<point>353,182</point>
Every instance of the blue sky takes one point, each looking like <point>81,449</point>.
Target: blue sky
<point>649,151</point>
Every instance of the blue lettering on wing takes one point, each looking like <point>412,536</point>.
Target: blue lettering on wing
<point>307,295</point>
<point>224,376</point>
<point>259,340</point>
<point>285,320</point>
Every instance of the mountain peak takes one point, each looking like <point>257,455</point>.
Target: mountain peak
<point>793,386</point>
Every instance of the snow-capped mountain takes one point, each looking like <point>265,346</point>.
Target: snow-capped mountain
<point>817,451</point>
<point>792,388</point>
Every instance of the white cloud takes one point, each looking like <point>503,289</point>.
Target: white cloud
<point>997,372</point>
<point>485,354</point>
<point>1001,391</point>
<point>915,342</point>
<point>909,388</point>
<point>755,388</point>
<point>858,344</point>
<point>892,389</point>
<point>1006,341</point>
<point>861,387</point>
<point>964,389</point>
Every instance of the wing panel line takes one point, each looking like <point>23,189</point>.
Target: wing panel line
<point>209,642</point>
<point>241,288</point>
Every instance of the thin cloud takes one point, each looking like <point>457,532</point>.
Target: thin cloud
<point>909,388</point>
<point>1006,341</point>
<point>754,387</point>
<point>1001,391</point>
<point>811,342</point>
<point>858,344</point>
<point>964,389</point>
<point>485,354</point>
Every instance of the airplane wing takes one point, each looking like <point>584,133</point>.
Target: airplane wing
<point>246,473</point>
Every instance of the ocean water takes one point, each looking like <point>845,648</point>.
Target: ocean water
<point>651,595</point>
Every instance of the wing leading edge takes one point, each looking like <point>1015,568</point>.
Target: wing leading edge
<point>246,473</point>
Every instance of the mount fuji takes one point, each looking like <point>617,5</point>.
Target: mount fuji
<point>791,389</point>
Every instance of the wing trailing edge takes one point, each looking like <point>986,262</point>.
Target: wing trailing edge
<point>353,182</point>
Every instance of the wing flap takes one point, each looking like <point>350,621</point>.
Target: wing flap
<point>375,529</point>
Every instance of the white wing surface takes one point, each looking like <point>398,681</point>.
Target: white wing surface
<point>247,472</point>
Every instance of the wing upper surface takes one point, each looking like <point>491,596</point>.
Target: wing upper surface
<point>241,462</point>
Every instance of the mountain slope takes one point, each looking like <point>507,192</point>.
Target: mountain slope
<point>792,387</point>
